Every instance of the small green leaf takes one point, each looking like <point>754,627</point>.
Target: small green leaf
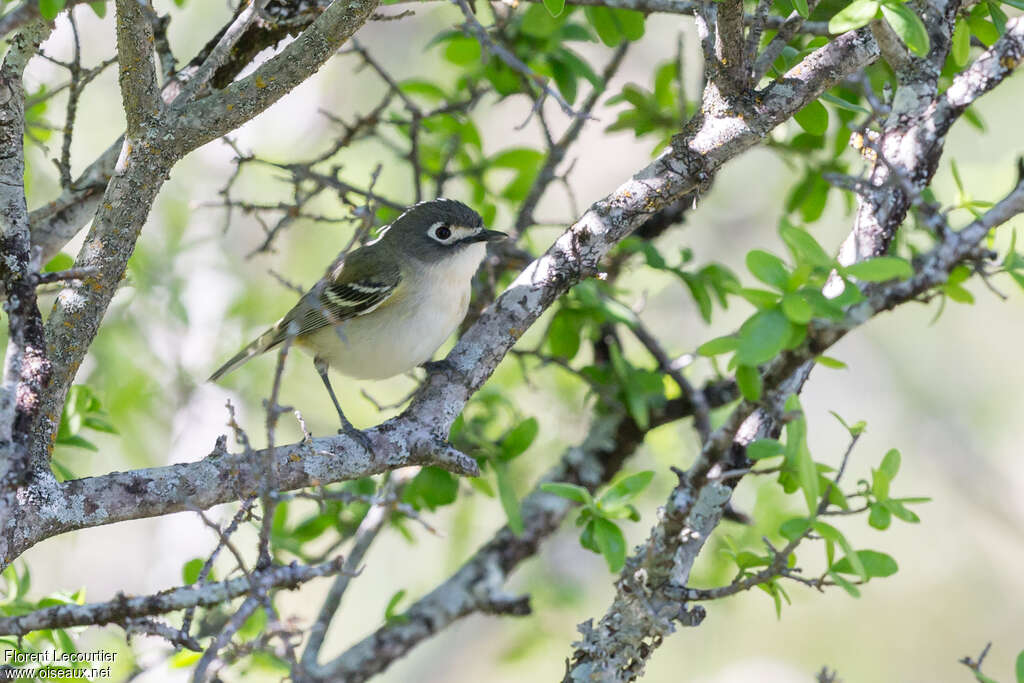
<point>563,337</point>
<point>879,517</point>
<point>891,463</point>
<point>555,7</point>
<point>762,336</point>
<point>50,8</point>
<point>854,15</point>
<point>845,585</point>
<point>763,448</point>
<point>100,8</point>
<point>908,26</point>
<point>801,8</point>
<point>813,118</point>
<point>571,492</point>
<point>880,269</point>
<point>391,614</point>
<point>190,571</point>
<point>610,541</point>
<point>509,502</point>
<point>768,268</point>
<point>794,528</point>
<point>604,23</point>
<point>61,261</point>
<point>880,484</point>
<point>748,379</point>
<point>807,473</point>
<point>519,438</point>
<point>855,429</point>
<point>853,559</point>
<point>462,51</point>
<point>797,309</point>
<point>1019,667</point>
<point>830,362</point>
<point>875,564</point>
<point>718,346</point>
<point>625,489</point>
<point>961,43</point>
<point>803,246</point>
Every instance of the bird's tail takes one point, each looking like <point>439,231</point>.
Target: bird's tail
<point>261,344</point>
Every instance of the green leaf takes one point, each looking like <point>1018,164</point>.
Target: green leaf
<point>879,517</point>
<point>961,50</point>
<point>1019,667</point>
<point>431,488</point>
<point>625,489</point>
<point>900,512</point>
<point>604,23</point>
<point>762,336</point>
<point>631,23</point>
<point>518,158</point>
<point>509,502</point>
<point>853,559</point>
<point>797,309</point>
<point>801,8</point>
<point>462,51</point>
<point>190,571</point>
<point>571,492</point>
<point>610,541</point>
<point>794,528</point>
<point>891,463</point>
<point>830,362</point>
<point>880,269</point>
<point>50,8</point>
<point>908,26</point>
<point>804,247</point>
<point>875,564</point>
<point>748,379</point>
<point>999,17</point>
<point>100,8</point>
<point>813,118</point>
<point>855,429</point>
<point>718,346</point>
<point>807,474</point>
<point>768,268</point>
<point>982,29</point>
<point>391,614</point>
<point>854,15</point>
<point>563,338</point>
<point>519,438</point>
<point>555,7</point>
<point>760,298</point>
<point>763,448</point>
<point>845,585</point>
<point>880,484</point>
<point>61,261</point>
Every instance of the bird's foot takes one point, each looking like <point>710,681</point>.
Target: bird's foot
<point>442,366</point>
<point>360,437</point>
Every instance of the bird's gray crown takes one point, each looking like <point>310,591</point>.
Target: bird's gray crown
<point>425,214</point>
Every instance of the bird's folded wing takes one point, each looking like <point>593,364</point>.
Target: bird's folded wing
<point>354,289</point>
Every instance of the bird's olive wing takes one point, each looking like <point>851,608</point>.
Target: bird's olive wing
<point>355,288</point>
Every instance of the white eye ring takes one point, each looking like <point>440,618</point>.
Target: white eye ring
<point>442,232</point>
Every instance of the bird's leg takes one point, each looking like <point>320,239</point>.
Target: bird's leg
<point>346,427</point>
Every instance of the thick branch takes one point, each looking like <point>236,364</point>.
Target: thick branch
<point>220,478</point>
<point>225,110</point>
<point>26,367</point>
<point>140,90</point>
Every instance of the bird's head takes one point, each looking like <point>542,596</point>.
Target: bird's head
<point>437,229</point>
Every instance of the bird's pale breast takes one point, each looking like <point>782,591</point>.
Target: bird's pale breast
<point>406,330</point>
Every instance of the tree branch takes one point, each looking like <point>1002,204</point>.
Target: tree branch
<point>140,89</point>
<point>122,609</point>
<point>225,110</point>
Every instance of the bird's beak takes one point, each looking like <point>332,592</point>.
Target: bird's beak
<point>488,236</point>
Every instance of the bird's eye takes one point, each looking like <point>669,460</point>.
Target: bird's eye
<point>443,232</point>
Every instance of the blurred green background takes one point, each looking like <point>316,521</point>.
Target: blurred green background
<point>946,392</point>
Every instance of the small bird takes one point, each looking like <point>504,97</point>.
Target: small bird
<point>387,306</point>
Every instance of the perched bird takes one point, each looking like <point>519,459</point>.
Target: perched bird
<point>387,306</point>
